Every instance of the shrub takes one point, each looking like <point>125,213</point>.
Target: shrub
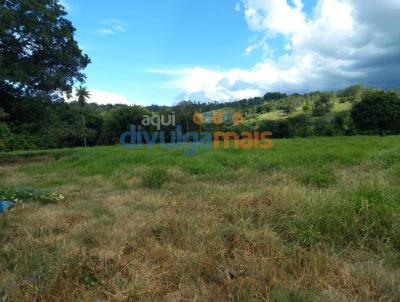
<point>324,128</point>
<point>343,123</point>
<point>155,177</point>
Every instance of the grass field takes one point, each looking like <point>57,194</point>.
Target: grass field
<point>314,219</point>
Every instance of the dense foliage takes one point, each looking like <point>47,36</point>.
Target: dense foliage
<point>39,59</point>
<point>378,111</point>
<point>41,123</point>
<point>38,52</point>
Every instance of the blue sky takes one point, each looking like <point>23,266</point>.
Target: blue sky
<point>152,51</point>
<point>156,35</point>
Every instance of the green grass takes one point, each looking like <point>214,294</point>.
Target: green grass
<point>338,107</point>
<point>155,177</point>
<point>314,219</point>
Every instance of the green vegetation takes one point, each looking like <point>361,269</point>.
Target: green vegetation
<point>27,195</point>
<point>83,95</point>
<point>42,124</point>
<point>39,60</point>
<point>312,219</point>
<point>378,111</point>
<point>155,177</point>
<point>38,52</point>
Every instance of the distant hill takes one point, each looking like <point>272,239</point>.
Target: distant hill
<point>275,106</point>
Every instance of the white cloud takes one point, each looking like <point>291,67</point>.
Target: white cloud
<point>104,98</point>
<point>237,7</point>
<point>342,42</point>
<point>106,31</point>
<point>273,16</point>
<point>260,44</point>
<point>112,26</point>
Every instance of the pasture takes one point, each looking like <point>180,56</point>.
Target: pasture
<point>313,219</point>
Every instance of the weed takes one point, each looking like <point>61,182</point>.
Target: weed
<point>155,177</point>
<point>321,177</point>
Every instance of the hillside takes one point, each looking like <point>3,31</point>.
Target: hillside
<point>280,115</point>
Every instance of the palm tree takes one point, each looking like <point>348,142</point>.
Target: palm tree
<point>83,95</point>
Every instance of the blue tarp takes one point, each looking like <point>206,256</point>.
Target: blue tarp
<point>4,205</point>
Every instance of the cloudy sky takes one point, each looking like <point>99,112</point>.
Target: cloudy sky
<point>155,51</point>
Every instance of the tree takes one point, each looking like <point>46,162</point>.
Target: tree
<point>269,96</point>
<point>38,53</point>
<point>378,111</point>
<point>4,131</point>
<point>184,111</point>
<point>288,108</point>
<point>82,95</point>
<point>307,106</point>
<point>119,120</point>
<point>352,93</point>
<point>323,105</point>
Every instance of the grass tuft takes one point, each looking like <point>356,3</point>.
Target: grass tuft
<point>365,218</point>
<point>155,177</point>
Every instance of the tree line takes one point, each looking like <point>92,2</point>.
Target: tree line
<point>40,61</point>
<point>32,123</point>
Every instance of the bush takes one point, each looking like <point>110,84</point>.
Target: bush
<point>344,124</point>
<point>324,128</point>
<point>155,177</point>
<point>302,125</point>
<point>13,142</point>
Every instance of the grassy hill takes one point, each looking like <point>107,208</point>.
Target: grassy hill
<point>298,111</point>
<point>313,219</point>
<point>281,115</point>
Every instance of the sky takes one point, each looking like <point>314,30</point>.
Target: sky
<point>163,51</point>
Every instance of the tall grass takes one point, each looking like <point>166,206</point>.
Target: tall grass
<point>313,219</point>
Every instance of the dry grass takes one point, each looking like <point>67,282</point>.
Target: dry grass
<point>238,236</point>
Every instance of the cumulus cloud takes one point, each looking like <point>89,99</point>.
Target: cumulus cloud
<point>112,26</point>
<point>342,42</point>
<point>104,98</point>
